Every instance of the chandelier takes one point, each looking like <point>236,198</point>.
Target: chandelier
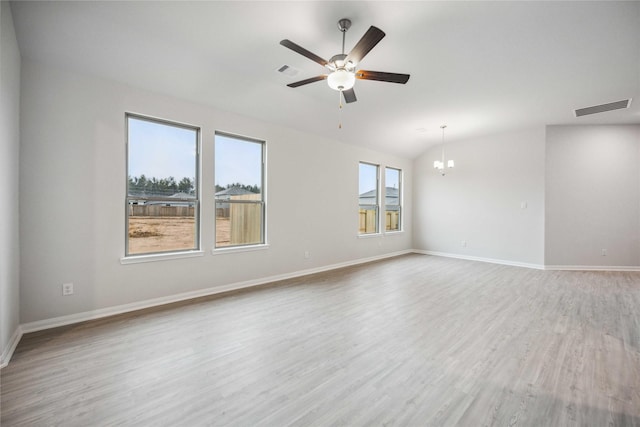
<point>439,164</point>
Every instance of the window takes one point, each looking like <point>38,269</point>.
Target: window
<point>393,199</point>
<point>368,198</point>
<point>162,187</point>
<point>239,197</point>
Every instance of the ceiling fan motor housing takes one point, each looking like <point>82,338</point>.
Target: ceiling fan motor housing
<point>337,62</point>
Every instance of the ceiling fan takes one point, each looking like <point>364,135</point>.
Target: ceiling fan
<point>343,67</point>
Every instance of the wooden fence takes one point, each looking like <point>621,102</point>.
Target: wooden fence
<point>160,210</point>
<point>368,220</point>
<point>245,220</point>
<point>392,220</point>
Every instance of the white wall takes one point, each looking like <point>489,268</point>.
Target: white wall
<point>72,198</point>
<point>593,195</point>
<point>9,160</point>
<point>480,200</point>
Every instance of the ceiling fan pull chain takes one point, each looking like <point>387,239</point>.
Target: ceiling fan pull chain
<point>339,109</point>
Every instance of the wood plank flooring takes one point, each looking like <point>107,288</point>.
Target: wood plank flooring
<point>414,340</point>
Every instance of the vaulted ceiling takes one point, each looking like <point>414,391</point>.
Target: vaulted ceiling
<point>479,67</point>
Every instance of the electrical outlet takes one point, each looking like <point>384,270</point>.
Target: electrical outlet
<point>306,254</point>
<point>67,289</point>
<point>604,252</point>
<point>463,243</point>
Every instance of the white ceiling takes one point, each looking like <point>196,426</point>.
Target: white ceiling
<point>479,67</point>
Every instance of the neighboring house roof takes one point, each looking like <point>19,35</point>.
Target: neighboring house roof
<point>232,191</point>
<point>144,194</point>
<point>182,195</point>
<point>368,197</point>
<point>179,196</point>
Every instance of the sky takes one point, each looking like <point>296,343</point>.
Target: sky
<point>368,174</point>
<point>236,160</point>
<point>392,177</point>
<point>177,158</point>
<point>368,177</point>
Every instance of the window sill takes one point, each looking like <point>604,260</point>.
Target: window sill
<point>137,259</point>
<point>236,249</point>
<point>384,234</point>
<point>369,235</point>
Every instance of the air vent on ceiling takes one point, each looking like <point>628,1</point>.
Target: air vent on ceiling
<point>604,107</point>
<point>288,70</point>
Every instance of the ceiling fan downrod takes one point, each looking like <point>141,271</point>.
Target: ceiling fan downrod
<point>343,25</point>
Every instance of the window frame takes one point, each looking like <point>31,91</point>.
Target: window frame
<point>196,200</point>
<point>400,198</point>
<point>376,206</point>
<point>262,202</point>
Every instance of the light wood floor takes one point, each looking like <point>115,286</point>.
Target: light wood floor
<point>415,340</point>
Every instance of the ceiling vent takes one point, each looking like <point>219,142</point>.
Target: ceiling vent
<point>289,71</point>
<point>602,108</point>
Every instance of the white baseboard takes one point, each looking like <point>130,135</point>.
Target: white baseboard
<point>481,259</point>
<point>534,266</point>
<point>591,268</point>
<point>11,347</point>
<point>125,308</point>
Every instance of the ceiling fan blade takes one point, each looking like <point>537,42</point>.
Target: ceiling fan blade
<point>349,96</point>
<point>382,76</point>
<point>307,81</point>
<point>304,52</point>
<point>371,38</point>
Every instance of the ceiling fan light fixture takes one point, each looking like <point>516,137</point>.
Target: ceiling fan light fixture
<point>342,72</point>
<point>341,79</point>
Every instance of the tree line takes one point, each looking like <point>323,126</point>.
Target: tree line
<point>168,186</point>
<point>163,186</point>
<point>250,188</point>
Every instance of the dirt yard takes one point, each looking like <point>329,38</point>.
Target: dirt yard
<point>161,234</point>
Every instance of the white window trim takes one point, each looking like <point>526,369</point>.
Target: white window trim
<point>236,249</point>
<point>217,250</point>
<point>394,232</point>
<point>137,259</point>
<point>174,254</point>
<point>379,224</point>
<point>370,235</point>
<point>400,199</point>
